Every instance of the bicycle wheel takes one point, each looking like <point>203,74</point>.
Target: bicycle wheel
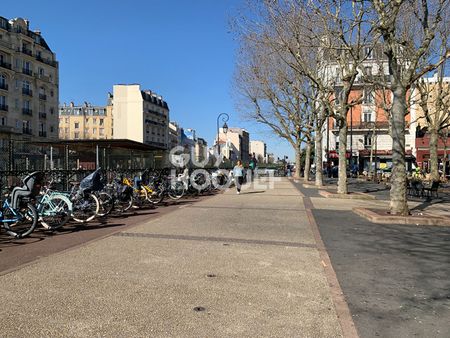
<point>139,197</point>
<point>106,204</point>
<point>176,190</point>
<point>156,196</point>
<point>85,208</point>
<point>26,221</point>
<point>55,212</point>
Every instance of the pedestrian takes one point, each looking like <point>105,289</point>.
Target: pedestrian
<point>238,173</point>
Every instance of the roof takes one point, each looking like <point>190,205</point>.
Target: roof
<point>116,143</point>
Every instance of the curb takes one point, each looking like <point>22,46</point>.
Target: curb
<point>376,216</point>
<point>351,195</point>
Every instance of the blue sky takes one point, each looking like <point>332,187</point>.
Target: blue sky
<point>181,49</point>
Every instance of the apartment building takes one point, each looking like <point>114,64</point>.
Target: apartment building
<point>234,144</point>
<point>86,121</point>
<point>436,91</point>
<point>368,122</point>
<point>140,115</point>
<point>259,148</point>
<point>29,84</point>
<point>174,135</point>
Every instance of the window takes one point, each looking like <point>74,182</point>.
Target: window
<point>2,81</point>
<point>101,131</point>
<point>3,121</point>
<point>367,140</point>
<point>367,116</point>
<point>77,125</point>
<point>369,97</point>
<point>52,129</point>
<point>368,71</point>
<point>94,130</point>
<point>66,120</point>
<point>76,135</point>
<point>27,65</point>
<point>27,104</point>
<point>101,122</point>
<point>52,111</point>
<point>2,100</point>
<point>26,85</point>
<point>18,63</point>
<point>369,52</point>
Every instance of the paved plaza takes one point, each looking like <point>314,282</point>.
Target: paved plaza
<point>275,261</point>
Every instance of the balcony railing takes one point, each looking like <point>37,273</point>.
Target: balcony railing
<point>46,61</point>
<point>4,86</point>
<point>27,71</point>
<point>27,51</point>
<point>27,111</point>
<point>5,65</point>
<point>371,125</point>
<point>3,107</point>
<point>42,96</point>
<point>42,133</point>
<point>42,115</point>
<point>27,131</point>
<point>27,91</point>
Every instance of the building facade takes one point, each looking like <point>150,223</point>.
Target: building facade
<point>29,84</point>
<point>259,148</point>
<point>437,96</point>
<point>369,144</point>
<point>86,122</point>
<point>235,144</point>
<point>140,115</point>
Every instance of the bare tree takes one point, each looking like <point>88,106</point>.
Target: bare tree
<point>272,94</point>
<point>408,31</point>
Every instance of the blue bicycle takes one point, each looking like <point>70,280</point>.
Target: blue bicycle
<point>18,216</point>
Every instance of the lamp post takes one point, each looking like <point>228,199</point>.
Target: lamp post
<point>372,125</point>
<point>225,118</point>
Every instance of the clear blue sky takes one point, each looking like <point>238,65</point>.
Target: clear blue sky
<point>181,49</point>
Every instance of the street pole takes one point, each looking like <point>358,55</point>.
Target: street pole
<point>225,118</point>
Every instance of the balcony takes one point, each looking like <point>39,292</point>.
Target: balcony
<point>5,65</point>
<point>42,97</point>
<point>27,51</point>
<point>370,125</point>
<point>27,91</point>
<point>46,61</point>
<point>3,107</point>
<point>42,133</point>
<point>27,111</point>
<point>27,71</point>
<point>3,86</point>
<point>27,131</point>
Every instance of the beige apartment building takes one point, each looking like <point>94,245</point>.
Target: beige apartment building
<point>259,148</point>
<point>86,122</point>
<point>140,115</point>
<point>29,80</point>
<point>235,144</point>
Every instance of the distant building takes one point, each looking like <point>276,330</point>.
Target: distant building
<point>174,135</point>
<point>140,115</point>
<point>235,144</point>
<point>29,82</point>
<point>86,122</point>
<point>259,148</point>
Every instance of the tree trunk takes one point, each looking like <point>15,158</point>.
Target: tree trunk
<point>342,180</point>
<point>298,162</point>
<point>434,166</point>
<point>318,157</point>
<point>398,200</point>
<point>307,160</point>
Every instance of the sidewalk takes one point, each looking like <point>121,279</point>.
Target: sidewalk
<point>232,265</point>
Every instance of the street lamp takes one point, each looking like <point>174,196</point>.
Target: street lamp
<point>372,125</point>
<point>225,118</point>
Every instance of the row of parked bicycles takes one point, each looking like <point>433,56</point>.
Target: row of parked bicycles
<point>99,194</point>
